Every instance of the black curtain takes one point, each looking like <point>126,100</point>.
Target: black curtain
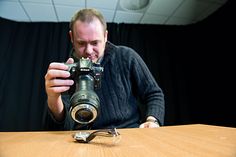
<point>193,64</point>
<point>26,49</point>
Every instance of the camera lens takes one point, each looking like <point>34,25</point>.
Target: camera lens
<point>84,115</point>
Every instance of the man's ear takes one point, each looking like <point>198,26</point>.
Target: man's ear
<point>106,34</point>
<point>71,36</point>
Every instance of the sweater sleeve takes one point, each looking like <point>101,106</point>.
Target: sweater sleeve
<point>146,88</point>
<point>50,123</point>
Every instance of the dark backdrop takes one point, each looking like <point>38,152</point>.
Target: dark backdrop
<point>193,64</point>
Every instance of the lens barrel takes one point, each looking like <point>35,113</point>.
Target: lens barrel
<point>84,102</point>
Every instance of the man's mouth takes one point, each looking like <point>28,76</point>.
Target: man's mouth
<point>92,58</point>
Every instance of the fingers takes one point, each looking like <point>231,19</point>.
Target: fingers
<point>57,78</point>
<point>54,91</point>
<point>148,125</point>
<point>58,66</point>
<point>57,86</point>
<point>70,61</point>
<point>55,73</point>
<point>58,70</point>
<point>60,82</point>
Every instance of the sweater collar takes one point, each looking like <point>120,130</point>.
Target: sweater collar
<point>109,49</point>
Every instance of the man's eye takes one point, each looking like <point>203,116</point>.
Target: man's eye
<point>95,43</point>
<point>81,43</point>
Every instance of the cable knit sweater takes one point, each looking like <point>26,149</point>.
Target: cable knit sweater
<point>126,82</point>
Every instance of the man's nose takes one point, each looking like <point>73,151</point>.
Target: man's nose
<point>89,49</point>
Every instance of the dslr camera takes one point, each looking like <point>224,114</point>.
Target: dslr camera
<point>84,102</point>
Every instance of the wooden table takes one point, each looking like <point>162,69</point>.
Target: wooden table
<point>170,141</point>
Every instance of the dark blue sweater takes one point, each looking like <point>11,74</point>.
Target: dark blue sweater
<point>126,83</point>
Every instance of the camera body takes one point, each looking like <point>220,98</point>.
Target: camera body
<point>84,101</point>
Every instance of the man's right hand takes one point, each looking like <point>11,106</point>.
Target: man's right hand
<point>56,82</point>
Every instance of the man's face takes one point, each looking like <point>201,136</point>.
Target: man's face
<point>89,39</point>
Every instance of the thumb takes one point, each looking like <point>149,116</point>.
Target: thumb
<point>70,61</point>
<point>142,126</point>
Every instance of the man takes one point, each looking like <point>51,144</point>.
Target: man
<point>126,80</point>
